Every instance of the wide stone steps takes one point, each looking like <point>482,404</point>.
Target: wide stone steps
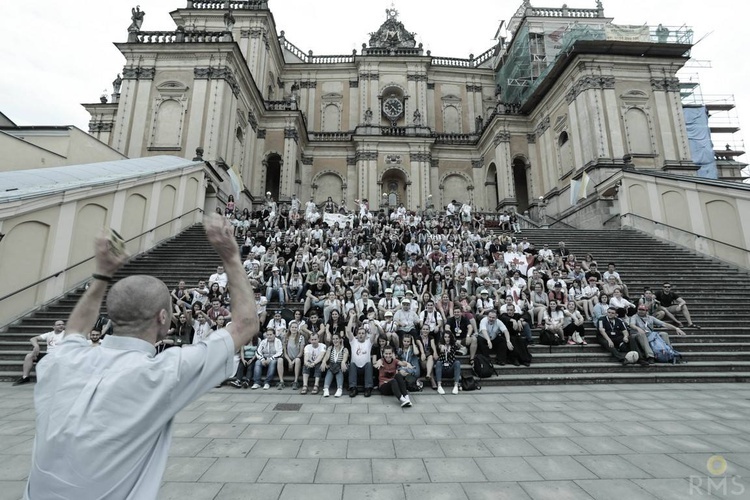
<point>717,295</point>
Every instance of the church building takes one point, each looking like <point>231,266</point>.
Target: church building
<point>562,100</point>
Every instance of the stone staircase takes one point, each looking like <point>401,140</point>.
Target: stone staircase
<point>715,293</point>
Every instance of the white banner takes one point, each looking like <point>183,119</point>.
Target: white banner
<point>331,219</point>
<point>627,33</point>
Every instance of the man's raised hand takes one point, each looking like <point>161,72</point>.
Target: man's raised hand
<point>221,236</point>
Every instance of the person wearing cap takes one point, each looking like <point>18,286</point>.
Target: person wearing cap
<point>275,285</point>
<point>558,293</point>
<point>406,319</point>
<point>388,303</point>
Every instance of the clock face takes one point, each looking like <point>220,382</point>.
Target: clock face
<point>392,108</point>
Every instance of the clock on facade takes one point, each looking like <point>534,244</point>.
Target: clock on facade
<point>392,108</point>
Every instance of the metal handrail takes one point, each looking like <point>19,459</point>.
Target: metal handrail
<point>58,273</point>
<point>686,231</point>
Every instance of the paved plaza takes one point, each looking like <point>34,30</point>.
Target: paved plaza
<point>603,442</point>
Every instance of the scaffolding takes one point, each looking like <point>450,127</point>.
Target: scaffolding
<point>535,48</point>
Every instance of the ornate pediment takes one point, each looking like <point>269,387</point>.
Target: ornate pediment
<point>392,34</point>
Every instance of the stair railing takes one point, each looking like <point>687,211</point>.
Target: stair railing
<point>694,235</point>
<point>73,266</point>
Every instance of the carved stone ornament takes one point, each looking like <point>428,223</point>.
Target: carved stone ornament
<point>393,160</point>
<point>424,157</point>
<point>531,138</point>
<point>501,137</point>
<point>291,133</point>
<point>307,160</point>
<point>261,134</point>
<point>392,34</point>
<point>138,73</point>
<point>542,127</point>
<point>671,84</point>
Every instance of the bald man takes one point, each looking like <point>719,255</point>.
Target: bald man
<point>104,415</point>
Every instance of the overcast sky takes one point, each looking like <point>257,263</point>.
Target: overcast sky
<point>57,54</point>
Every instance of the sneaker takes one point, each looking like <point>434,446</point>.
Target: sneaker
<point>339,392</point>
<point>404,401</point>
<point>255,386</point>
<point>571,342</point>
<point>235,383</point>
<point>408,401</point>
<point>266,387</point>
<point>325,393</point>
<point>295,385</point>
<point>280,385</point>
<point>245,384</point>
<point>22,380</point>
<point>440,389</point>
<point>455,389</point>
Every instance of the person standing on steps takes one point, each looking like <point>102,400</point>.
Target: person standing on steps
<point>87,399</point>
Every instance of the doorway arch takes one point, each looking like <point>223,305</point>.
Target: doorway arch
<point>394,183</point>
<point>491,194</point>
<point>272,163</point>
<point>521,184</point>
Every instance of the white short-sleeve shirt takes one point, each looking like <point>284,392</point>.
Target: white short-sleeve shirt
<point>104,416</point>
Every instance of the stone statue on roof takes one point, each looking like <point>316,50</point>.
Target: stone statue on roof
<point>392,33</point>
<point>137,19</point>
<point>117,83</point>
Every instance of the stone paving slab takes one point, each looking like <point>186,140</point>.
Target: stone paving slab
<point>600,442</point>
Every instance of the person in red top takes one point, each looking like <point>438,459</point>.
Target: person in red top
<point>390,381</point>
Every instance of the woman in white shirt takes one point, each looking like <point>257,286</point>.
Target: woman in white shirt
<point>553,318</point>
<point>624,306</point>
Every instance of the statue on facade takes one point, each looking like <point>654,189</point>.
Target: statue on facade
<point>662,34</point>
<point>368,117</point>
<point>117,84</point>
<point>137,19</point>
<point>229,20</point>
<point>417,118</point>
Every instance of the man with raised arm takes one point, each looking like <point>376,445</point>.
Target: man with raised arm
<point>104,415</point>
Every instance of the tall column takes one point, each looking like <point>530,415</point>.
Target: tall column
<point>312,106</point>
<point>536,180</point>
<point>419,160</point>
<point>504,167</point>
<point>291,136</point>
<point>470,111</point>
<point>195,124</point>
<point>356,115</point>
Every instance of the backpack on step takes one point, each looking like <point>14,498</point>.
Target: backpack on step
<point>663,352</point>
<point>470,384</point>
<point>482,366</point>
<point>547,337</point>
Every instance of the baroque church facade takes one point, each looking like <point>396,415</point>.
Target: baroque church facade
<point>565,95</point>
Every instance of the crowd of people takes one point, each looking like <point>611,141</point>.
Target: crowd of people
<point>395,299</point>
